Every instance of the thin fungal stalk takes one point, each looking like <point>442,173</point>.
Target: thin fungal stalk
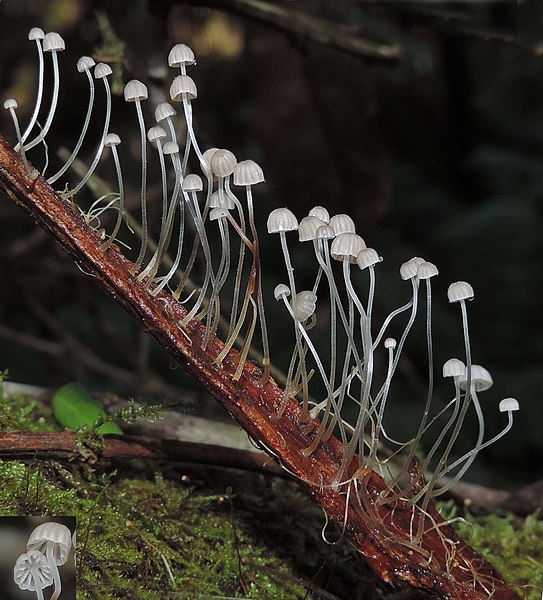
<point>101,71</point>
<point>52,43</point>
<point>112,140</point>
<point>84,64</point>
<point>37,35</point>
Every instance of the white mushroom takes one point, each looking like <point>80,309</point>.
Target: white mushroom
<point>54,540</point>
<point>32,572</point>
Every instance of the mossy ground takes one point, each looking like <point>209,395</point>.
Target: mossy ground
<point>148,530</point>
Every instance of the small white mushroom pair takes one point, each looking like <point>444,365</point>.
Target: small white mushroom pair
<point>48,548</point>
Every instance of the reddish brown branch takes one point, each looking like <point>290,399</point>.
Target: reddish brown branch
<point>63,444</point>
<point>444,565</point>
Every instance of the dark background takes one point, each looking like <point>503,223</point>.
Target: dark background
<point>436,154</point>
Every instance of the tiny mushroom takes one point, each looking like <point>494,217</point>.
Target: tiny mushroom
<point>55,541</point>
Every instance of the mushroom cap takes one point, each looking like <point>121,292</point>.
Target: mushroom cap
<point>218,200</point>
<point>217,213</point>
<point>102,70</point>
<point>135,91</point>
<point>31,568</point>
<point>321,213</point>
<point>342,224</point>
<point>509,404</point>
<point>282,219</point>
<point>36,34</point>
<point>304,305</point>
<point>183,85</point>
<point>170,148</point>
<point>390,343</point>
<point>193,183</point>
<point>481,379</point>
<point>111,139</point>
<point>460,290</point>
<point>55,535</point>
<point>453,368</point>
<point>325,232</point>
<point>85,63</point>
<point>181,54</point>
<point>10,103</point>
<point>367,257</point>
<point>207,156</point>
<point>409,268</point>
<point>307,229</point>
<point>247,172</point>
<point>347,246</point>
<point>156,133</point>
<point>223,162</point>
<point>281,290</point>
<point>53,42</point>
<point>163,111</point>
<point>426,270</point>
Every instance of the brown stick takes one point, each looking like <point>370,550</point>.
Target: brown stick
<point>443,564</point>
<point>63,444</point>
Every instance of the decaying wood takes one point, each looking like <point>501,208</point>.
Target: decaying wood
<point>445,565</point>
<point>64,444</point>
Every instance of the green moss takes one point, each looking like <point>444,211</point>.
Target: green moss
<point>513,545</point>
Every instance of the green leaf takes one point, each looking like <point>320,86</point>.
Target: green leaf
<point>74,408</point>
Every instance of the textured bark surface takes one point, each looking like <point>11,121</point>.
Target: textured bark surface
<point>447,569</point>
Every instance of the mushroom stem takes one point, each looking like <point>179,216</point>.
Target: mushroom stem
<point>50,554</point>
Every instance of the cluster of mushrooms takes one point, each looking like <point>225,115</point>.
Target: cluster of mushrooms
<point>48,548</point>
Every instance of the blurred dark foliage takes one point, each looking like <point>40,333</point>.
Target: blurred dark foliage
<point>438,154</point>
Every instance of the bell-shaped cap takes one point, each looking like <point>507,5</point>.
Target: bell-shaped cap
<point>346,246</point>
<point>325,232</point>
<point>170,148</point>
<point>481,379</point>
<point>207,156</point>
<point>307,229</point>
<point>304,305</point>
<point>183,85</point>
<point>342,224</point>
<point>367,257</point>
<point>193,183</point>
<point>53,535</point>
<point>181,54</point>
<point>509,405</point>
<point>409,268</point>
<point>102,70</point>
<point>390,343</point>
<point>281,219</point>
<point>223,162</point>
<point>426,270</point>
<point>321,213</point>
<point>10,103</point>
<point>460,290</point>
<point>135,91</point>
<point>85,63</point>
<point>111,139</point>
<point>247,172</point>
<point>156,133</point>
<point>453,368</point>
<point>53,42</point>
<point>36,34</point>
<point>281,291</point>
<point>218,200</point>
<point>217,213</point>
<point>163,111</point>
